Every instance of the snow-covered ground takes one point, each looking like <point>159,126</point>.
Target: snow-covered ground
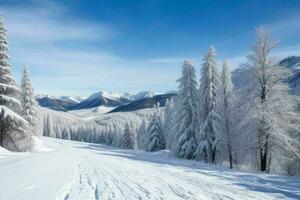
<point>75,170</point>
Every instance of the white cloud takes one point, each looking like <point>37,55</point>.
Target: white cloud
<point>287,27</point>
<point>37,35</point>
<point>49,24</point>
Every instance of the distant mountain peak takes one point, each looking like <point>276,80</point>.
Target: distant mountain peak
<point>101,98</point>
<point>143,94</point>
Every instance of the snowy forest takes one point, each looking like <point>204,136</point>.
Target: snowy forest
<point>254,127</point>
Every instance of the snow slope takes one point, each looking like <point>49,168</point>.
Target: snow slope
<point>91,112</point>
<point>85,171</point>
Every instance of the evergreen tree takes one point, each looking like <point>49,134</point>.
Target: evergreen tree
<point>169,123</point>
<point>271,110</point>
<point>155,131</point>
<point>186,113</point>
<point>141,134</point>
<point>28,102</point>
<point>128,139</point>
<point>12,126</point>
<point>225,98</point>
<point>209,126</point>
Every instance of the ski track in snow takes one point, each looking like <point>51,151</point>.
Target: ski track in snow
<point>81,171</point>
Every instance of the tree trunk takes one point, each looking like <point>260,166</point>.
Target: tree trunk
<point>230,160</point>
<point>213,156</point>
<point>229,144</point>
<point>263,160</point>
<point>263,157</point>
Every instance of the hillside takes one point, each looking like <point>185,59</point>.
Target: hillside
<point>144,103</point>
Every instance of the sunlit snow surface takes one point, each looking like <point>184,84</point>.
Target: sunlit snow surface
<point>75,170</point>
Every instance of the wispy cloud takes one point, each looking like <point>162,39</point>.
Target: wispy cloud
<point>47,23</point>
<point>286,27</point>
<point>37,35</point>
<point>40,35</point>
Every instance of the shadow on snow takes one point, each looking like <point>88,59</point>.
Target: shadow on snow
<point>265,183</point>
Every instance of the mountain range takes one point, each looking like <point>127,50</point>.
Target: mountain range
<point>147,102</point>
<point>146,99</point>
<point>108,99</point>
<point>59,104</point>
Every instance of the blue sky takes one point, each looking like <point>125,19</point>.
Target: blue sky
<point>77,47</point>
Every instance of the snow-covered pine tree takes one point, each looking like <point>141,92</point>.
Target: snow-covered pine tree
<point>155,131</point>
<point>169,123</point>
<point>186,113</point>
<point>141,134</point>
<point>128,139</point>
<point>28,102</point>
<point>225,103</point>
<point>13,135</point>
<point>209,117</point>
<point>272,108</point>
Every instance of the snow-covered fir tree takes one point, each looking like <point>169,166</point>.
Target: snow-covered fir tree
<point>186,113</point>
<point>155,131</point>
<point>141,134</point>
<point>128,139</point>
<point>169,123</point>
<point>28,102</point>
<point>271,108</point>
<point>13,135</point>
<point>225,103</point>
<point>210,119</point>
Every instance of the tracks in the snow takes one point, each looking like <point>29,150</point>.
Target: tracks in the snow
<point>82,185</point>
<point>110,176</point>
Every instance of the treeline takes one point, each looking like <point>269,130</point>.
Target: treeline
<point>109,132</point>
<point>256,126</point>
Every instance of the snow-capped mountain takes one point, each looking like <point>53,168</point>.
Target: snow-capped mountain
<point>102,99</point>
<point>111,99</point>
<point>55,103</point>
<point>76,99</point>
<point>143,103</point>
<point>142,95</point>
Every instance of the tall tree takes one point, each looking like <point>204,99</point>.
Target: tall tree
<point>12,125</point>
<point>210,119</point>
<point>186,113</point>
<point>225,103</point>
<point>28,102</point>
<point>155,131</point>
<point>128,139</point>
<point>272,109</point>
